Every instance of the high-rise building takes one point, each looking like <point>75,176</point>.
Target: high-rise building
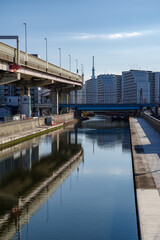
<point>151,76</point>
<point>91,88</point>
<point>84,93</point>
<point>135,86</point>
<point>118,88</point>
<point>106,88</point>
<point>157,87</point>
<point>79,97</point>
<point>91,91</point>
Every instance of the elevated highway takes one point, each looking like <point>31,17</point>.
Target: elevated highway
<point>24,70</point>
<point>34,71</point>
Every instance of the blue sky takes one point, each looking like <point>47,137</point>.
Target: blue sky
<point>121,34</point>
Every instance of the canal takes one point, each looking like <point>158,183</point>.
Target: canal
<point>92,199</point>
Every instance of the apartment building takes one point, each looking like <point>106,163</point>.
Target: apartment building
<point>106,84</point>
<point>136,86</point>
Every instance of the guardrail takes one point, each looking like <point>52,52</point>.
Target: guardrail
<point>9,54</point>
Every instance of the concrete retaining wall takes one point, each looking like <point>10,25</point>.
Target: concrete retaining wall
<point>14,127</point>
<point>155,123</point>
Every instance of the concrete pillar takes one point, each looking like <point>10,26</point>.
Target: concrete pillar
<point>62,98</point>
<point>68,100</point>
<point>37,112</point>
<point>75,96</point>
<point>21,95</point>
<point>55,102</point>
<point>61,101</point>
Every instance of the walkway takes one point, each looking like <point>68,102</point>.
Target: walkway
<point>16,138</point>
<point>146,159</point>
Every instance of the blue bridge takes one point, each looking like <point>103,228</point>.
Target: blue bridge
<point>106,107</point>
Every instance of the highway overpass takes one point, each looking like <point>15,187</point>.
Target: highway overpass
<point>34,71</point>
<point>24,70</point>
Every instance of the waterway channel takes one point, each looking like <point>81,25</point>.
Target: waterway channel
<point>93,199</point>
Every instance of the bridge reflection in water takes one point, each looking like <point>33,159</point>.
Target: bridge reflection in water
<point>29,174</point>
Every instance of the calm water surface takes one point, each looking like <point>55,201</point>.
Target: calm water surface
<point>92,200</point>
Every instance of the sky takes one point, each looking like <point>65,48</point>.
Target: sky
<point>120,34</point>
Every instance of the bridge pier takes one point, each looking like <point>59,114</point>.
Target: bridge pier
<point>55,102</point>
<point>75,96</point>
<point>61,97</point>
<point>68,100</point>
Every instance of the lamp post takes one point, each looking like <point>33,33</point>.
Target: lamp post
<point>69,63</point>
<point>59,57</point>
<point>25,25</point>
<point>46,49</point>
<point>76,66</point>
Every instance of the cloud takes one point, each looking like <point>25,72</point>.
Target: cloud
<point>124,35</point>
<point>84,36</point>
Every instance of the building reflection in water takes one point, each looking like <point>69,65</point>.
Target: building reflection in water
<point>25,168</point>
<point>106,133</point>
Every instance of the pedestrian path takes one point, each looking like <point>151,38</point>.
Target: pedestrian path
<point>28,133</point>
<point>146,159</point>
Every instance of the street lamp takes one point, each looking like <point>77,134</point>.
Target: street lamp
<point>25,25</point>
<point>69,63</point>
<point>76,66</point>
<point>59,57</point>
<point>46,49</point>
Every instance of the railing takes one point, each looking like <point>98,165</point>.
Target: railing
<point>9,54</point>
<point>92,107</point>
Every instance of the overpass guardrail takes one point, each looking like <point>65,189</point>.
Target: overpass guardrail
<point>9,54</point>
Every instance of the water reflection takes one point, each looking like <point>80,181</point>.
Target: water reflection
<point>25,172</point>
<point>93,198</point>
<point>106,133</point>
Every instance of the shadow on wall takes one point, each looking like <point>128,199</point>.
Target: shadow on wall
<point>153,145</point>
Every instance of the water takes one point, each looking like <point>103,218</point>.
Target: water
<point>93,199</point>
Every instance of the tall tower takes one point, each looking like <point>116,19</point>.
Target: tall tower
<point>93,70</point>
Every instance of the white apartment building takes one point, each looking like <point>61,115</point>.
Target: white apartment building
<point>135,86</point>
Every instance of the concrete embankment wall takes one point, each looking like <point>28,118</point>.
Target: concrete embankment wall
<point>155,123</point>
<point>146,164</point>
<point>14,127</point>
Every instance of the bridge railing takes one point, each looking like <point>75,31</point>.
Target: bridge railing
<point>9,54</point>
<point>109,107</point>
